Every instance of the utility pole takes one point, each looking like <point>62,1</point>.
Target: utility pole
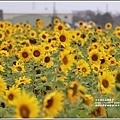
<point>54,14</point>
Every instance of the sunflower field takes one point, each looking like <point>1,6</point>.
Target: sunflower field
<point>57,72</point>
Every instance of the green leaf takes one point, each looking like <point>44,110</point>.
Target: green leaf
<point>83,114</point>
<point>59,84</point>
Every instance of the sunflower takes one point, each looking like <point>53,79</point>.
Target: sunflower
<point>117,77</point>
<point>32,34</point>
<point>111,51</point>
<point>47,60</point>
<point>37,52</point>
<point>96,45</point>
<point>88,100</point>
<point>94,57</point>
<point>12,95</point>
<point>106,82</point>
<point>18,68</point>
<point>90,48</point>
<point>2,68</point>
<point>66,60</point>
<point>8,32</point>
<point>44,35</point>
<point>27,106</point>
<point>85,69</point>
<point>108,25</point>
<point>98,112</point>
<point>99,27</point>
<point>2,25</point>
<point>4,53</point>
<point>24,54</point>
<point>95,68</point>
<point>56,21</point>
<point>117,33</point>
<point>2,35</point>
<point>79,64</point>
<point>112,61</point>
<point>85,26</point>
<point>64,38</point>
<point>53,102</point>
<point>104,60</point>
<point>24,80</point>
<point>80,23</point>
<point>73,92</point>
<point>59,27</point>
<point>47,47</point>
<point>8,24</point>
<point>16,25</point>
<point>3,86</point>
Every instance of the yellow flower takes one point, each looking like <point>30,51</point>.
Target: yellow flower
<point>47,60</point>
<point>52,103</point>
<point>12,95</point>
<point>32,34</point>
<point>108,25</point>
<point>98,112</point>
<point>24,54</point>
<point>27,106</point>
<point>88,100</point>
<point>37,52</point>
<point>2,35</point>
<point>2,68</point>
<point>94,57</point>
<point>73,92</point>
<point>44,35</point>
<point>106,82</point>
<point>66,60</point>
<point>3,86</point>
<point>24,80</point>
<point>85,69</point>
<point>95,68</point>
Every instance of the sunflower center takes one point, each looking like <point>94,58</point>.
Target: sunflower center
<point>0,35</point>
<point>95,68</point>
<point>7,31</point>
<point>74,89</point>
<point>10,46</point>
<point>46,47</point>
<point>60,28</point>
<point>62,38</point>
<point>102,61</point>
<point>83,36</point>
<point>1,26</point>
<point>112,62</point>
<point>10,96</point>
<point>84,69</point>
<point>22,80</point>
<point>24,111</point>
<point>65,60</point>
<point>32,34</point>
<point>24,54</point>
<point>36,53</point>
<point>94,57</point>
<point>47,59</point>
<point>19,68</point>
<point>105,83</point>
<point>118,78</point>
<point>43,36</point>
<point>118,33</point>
<point>49,103</point>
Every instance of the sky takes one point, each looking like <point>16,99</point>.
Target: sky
<point>60,6</point>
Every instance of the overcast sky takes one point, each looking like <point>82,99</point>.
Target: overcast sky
<point>61,7</point>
